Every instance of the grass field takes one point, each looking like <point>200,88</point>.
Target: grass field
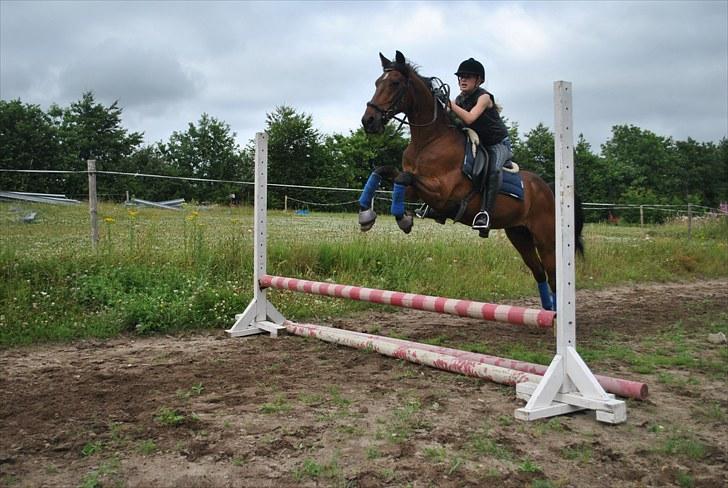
<point>164,271</point>
<point>202,409</point>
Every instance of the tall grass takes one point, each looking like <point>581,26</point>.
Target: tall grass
<point>164,271</point>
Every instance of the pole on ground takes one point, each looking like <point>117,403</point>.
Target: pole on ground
<point>568,385</point>
<point>93,202</point>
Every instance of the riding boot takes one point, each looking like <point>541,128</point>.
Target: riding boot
<point>482,220</point>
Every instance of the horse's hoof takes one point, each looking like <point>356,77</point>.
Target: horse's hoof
<point>405,223</point>
<point>366,219</point>
<point>366,227</point>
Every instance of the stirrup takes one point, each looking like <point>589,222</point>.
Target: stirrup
<point>427,212</point>
<point>423,211</point>
<point>480,226</point>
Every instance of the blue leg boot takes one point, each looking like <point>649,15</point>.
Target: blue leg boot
<point>545,292</point>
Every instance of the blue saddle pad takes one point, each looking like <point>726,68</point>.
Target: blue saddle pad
<point>512,185</point>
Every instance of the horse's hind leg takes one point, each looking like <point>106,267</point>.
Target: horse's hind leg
<point>523,241</point>
<point>545,241</point>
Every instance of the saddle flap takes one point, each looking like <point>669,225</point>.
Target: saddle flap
<point>476,158</point>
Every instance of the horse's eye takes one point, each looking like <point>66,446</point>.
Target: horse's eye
<point>395,83</point>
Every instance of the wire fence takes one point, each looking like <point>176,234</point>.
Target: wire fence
<point>314,198</point>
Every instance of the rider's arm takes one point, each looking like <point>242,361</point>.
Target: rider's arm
<point>484,102</point>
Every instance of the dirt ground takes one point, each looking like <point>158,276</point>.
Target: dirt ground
<point>208,410</point>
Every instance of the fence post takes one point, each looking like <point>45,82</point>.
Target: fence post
<point>690,220</point>
<point>285,203</point>
<point>642,216</point>
<point>92,202</point>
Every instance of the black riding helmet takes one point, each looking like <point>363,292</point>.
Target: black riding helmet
<point>471,67</point>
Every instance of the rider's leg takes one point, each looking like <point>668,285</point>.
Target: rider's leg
<point>482,220</point>
<point>498,155</point>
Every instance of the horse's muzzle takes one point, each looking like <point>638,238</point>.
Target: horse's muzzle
<point>372,121</point>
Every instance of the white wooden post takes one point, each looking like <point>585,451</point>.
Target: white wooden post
<point>568,385</point>
<point>260,316</point>
<point>642,216</point>
<point>93,202</point>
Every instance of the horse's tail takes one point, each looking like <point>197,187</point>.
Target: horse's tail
<point>578,220</point>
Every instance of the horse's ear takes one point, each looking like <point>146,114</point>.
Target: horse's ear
<point>385,62</point>
<point>399,58</point>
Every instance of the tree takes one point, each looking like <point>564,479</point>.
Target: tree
<point>150,160</point>
<point>640,159</point>
<point>294,147</point>
<point>29,141</point>
<point>703,171</point>
<point>589,173</point>
<point>354,156</point>
<point>514,136</point>
<point>720,182</point>
<point>295,153</point>
<point>206,150</point>
<point>536,153</point>
<point>89,130</point>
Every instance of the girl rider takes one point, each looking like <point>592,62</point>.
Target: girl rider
<point>477,109</point>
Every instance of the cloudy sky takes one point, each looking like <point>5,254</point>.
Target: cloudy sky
<point>660,65</point>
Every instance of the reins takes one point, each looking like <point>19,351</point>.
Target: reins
<point>440,93</point>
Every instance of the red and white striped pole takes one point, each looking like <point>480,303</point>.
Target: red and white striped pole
<point>618,386</point>
<point>462,308</point>
<point>412,353</point>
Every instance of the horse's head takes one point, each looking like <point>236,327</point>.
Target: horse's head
<point>390,95</point>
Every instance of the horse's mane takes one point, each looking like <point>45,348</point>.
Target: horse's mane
<point>414,69</point>
<point>435,85</point>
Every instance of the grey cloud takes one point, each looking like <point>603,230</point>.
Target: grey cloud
<point>660,65</point>
<point>141,79</point>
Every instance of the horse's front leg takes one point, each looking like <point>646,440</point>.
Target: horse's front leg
<point>367,215</point>
<point>403,190</point>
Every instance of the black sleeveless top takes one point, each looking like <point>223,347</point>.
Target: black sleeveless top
<point>489,125</point>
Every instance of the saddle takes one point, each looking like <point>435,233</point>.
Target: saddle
<point>474,168</point>
<point>476,160</point>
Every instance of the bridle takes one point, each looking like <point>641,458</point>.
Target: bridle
<point>440,93</point>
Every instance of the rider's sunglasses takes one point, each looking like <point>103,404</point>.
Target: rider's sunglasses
<point>466,76</point>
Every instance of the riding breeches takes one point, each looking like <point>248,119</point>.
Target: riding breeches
<point>499,154</point>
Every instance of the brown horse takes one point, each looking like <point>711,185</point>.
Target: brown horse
<point>432,172</point>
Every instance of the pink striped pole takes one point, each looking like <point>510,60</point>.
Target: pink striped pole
<point>618,386</point>
<point>413,354</point>
<point>463,308</point>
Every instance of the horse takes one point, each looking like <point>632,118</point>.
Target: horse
<point>432,171</point>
